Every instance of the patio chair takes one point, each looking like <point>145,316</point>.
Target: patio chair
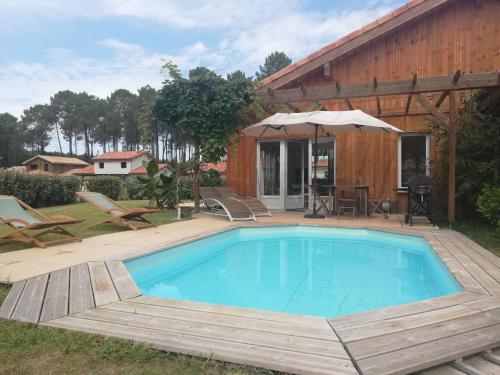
<point>324,202</point>
<point>230,207</point>
<point>255,205</point>
<point>347,202</point>
<point>376,205</point>
<point>419,198</point>
<point>22,218</point>
<point>117,213</point>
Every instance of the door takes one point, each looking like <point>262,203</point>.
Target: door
<point>271,174</point>
<point>294,175</point>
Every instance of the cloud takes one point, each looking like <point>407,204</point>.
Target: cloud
<point>247,31</point>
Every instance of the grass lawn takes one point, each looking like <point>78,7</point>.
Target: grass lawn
<point>91,215</point>
<point>32,349</point>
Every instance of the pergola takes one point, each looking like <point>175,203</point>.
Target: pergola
<point>413,88</point>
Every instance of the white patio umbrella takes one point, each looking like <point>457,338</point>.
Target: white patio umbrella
<point>327,121</point>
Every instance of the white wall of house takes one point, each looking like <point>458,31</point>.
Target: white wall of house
<point>115,166</point>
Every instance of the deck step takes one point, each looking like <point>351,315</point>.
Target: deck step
<point>68,291</point>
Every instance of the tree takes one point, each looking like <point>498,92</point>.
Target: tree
<point>477,152</point>
<point>273,63</point>
<point>39,121</point>
<point>64,104</point>
<point>120,120</point>
<point>11,141</point>
<point>145,119</point>
<point>206,108</point>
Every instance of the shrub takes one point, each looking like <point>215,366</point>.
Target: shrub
<point>488,203</point>
<point>135,189</point>
<point>39,190</point>
<point>211,178</point>
<point>186,192</point>
<point>107,185</point>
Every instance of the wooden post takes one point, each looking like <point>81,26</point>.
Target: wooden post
<point>452,155</point>
<point>196,182</point>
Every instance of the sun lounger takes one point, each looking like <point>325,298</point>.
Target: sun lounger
<point>117,213</point>
<point>254,204</point>
<point>230,207</point>
<point>23,219</point>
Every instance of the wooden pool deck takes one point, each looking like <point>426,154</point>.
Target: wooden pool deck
<point>456,334</point>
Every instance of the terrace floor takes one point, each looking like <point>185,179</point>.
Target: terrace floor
<point>84,286</point>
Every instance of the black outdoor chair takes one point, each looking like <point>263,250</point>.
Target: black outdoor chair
<point>419,198</point>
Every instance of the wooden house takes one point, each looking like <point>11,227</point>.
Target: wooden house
<point>52,164</point>
<point>415,64</point>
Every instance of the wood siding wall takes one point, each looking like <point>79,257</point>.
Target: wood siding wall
<point>52,168</point>
<point>465,35</point>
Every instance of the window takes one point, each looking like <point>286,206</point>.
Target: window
<point>414,154</point>
<point>124,164</point>
<point>33,167</point>
<point>101,165</point>
<point>46,167</point>
<point>270,168</point>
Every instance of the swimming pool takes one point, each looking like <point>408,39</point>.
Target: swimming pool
<point>317,271</point>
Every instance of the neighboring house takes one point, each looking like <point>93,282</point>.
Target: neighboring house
<point>220,167</point>
<point>53,164</point>
<point>432,42</point>
<point>119,163</point>
<point>141,171</point>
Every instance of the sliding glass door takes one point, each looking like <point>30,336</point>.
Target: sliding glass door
<point>270,173</point>
<point>294,175</point>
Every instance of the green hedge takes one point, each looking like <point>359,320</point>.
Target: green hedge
<point>110,186</point>
<point>39,190</point>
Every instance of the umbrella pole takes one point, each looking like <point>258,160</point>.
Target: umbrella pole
<point>315,215</point>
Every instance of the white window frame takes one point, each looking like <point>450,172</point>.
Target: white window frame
<point>427,154</point>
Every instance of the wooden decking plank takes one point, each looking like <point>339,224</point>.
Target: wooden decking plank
<point>483,365</point>
<point>490,268</point>
<point>81,297</point>
<point>124,284</point>
<point>479,249</point>
<point>486,281</point>
<point>214,331</point>
<point>102,285</point>
<point>459,270</point>
<point>403,310</point>
<point>442,370</point>
<point>485,304</point>
<point>433,353</point>
<point>280,360</point>
<point>10,302</point>
<point>325,333</point>
<point>29,306</point>
<point>55,304</point>
<point>361,332</point>
<point>386,343</point>
<point>301,320</point>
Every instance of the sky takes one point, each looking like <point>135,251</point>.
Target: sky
<point>98,46</point>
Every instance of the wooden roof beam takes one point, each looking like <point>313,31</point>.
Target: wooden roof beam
<point>400,87</point>
<point>441,98</point>
<point>432,110</point>
<point>348,104</point>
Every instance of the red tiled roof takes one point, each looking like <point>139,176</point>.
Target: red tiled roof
<point>396,12</point>
<point>142,170</point>
<point>322,163</point>
<point>120,155</point>
<point>58,160</point>
<point>86,171</point>
<point>219,167</point>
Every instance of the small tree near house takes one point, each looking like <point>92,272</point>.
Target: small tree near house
<point>206,108</point>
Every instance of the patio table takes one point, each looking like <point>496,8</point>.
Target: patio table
<point>361,191</point>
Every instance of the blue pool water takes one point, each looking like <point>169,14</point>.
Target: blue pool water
<point>303,270</point>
